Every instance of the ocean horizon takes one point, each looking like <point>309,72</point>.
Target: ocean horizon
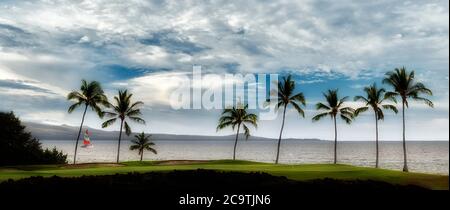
<point>423,156</point>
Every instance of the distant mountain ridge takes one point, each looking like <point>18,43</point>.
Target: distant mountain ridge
<point>65,132</point>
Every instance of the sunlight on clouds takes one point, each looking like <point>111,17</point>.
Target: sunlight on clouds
<point>6,74</point>
<point>51,45</point>
<point>150,55</point>
<point>11,56</point>
<point>154,89</point>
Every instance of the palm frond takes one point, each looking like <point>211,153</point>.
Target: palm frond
<point>420,88</point>
<point>91,94</point>
<point>320,116</point>
<point>74,106</point>
<point>405,85</point>
<point>134,112</point>
<point>232,117</point>
<point>361,98</point>
<point>298,108</point>
<point>137,120</point>
<point>135,105</point>
<point>97,110</point>
<point>361,110</point>
<point>299,97</point>
<point>251,119</point>
<point>109,114</point>
<point>136,140</point>
<point>151,150</point>
<point>391,96</point>
<point>135,147</point>
<point>75,95</point>
<point>108,122</point>
<point>224,125</point>
<point>346,118</point>
<point>424,100</point>
<point>321,106</point>
<point>127,128</point>
<point>390,107</point>
<point>246,131</point>
<point>380,114</point>
<point>347,110</point>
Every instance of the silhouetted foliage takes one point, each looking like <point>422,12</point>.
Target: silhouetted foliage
<point>141,143</point>
<point>123,109</point>
<point>334,106</point>
<point>90,95</point>
<point>164,189</point>
<point>406,87</point>
<point>375,98</point>
<point>18,147</point>
<point>198,180</point>
<point>235,117</point>
<point>286,96</point>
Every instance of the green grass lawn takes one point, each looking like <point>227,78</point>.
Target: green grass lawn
<point>295,172</point>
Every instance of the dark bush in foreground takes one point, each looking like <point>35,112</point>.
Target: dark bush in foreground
<point>195,181</point>
<point>18,147</point>
<point>166,189</point>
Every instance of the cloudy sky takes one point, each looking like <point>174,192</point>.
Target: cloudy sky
<point>47,47</point>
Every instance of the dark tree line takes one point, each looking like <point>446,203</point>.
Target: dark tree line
<point>18,147</point>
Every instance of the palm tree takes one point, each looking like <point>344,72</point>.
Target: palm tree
<point>141,143</point>
<point>286,96</point>
<point>334,106</point>
<point>123,109</point>
<point>405,87</point>
<point>375,99</point>
<point>90,95</point>
<point>235,117</point>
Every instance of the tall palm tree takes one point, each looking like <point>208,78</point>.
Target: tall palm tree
<point>375,98</point>
<point>90,95</point>
<point>286,96</point>
<point>333,107</point>
<point>405,86</point>
<point>141,143</point>
<point>124,109</point>
<point>235,117</point>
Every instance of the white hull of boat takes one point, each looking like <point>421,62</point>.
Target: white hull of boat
<point>87,146</point>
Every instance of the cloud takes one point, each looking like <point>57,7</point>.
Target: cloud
<point>144,45</point>
<point>11,36</point>
<point>22,85</point>
<point>154,88</point>
<point>174,42</point>
<point>311,81</point>
<point>14,84</point>
<point>349,37</point>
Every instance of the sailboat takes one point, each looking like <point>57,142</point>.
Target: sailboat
<point>87,140</point>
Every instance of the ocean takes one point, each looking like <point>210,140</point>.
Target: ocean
<point>423,156</point>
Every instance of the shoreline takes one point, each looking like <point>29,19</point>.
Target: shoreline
<point>293,152</point>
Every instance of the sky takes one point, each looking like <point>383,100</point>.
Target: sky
<point>47,47</point>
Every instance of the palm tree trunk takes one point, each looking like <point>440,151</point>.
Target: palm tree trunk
<point>120,137</point>
<point>78,137</point>
<point>335,140</point>
<point>405,161</point>
<point>281,132</point>
<point>142,154</point>
<point>235,142</point>
<point>376,140</point>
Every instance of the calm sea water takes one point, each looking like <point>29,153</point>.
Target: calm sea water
<point>428,157</point>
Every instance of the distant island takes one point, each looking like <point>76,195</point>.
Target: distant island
<point>66,132</point>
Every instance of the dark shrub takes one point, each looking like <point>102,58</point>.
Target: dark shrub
<point>18,147</point>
